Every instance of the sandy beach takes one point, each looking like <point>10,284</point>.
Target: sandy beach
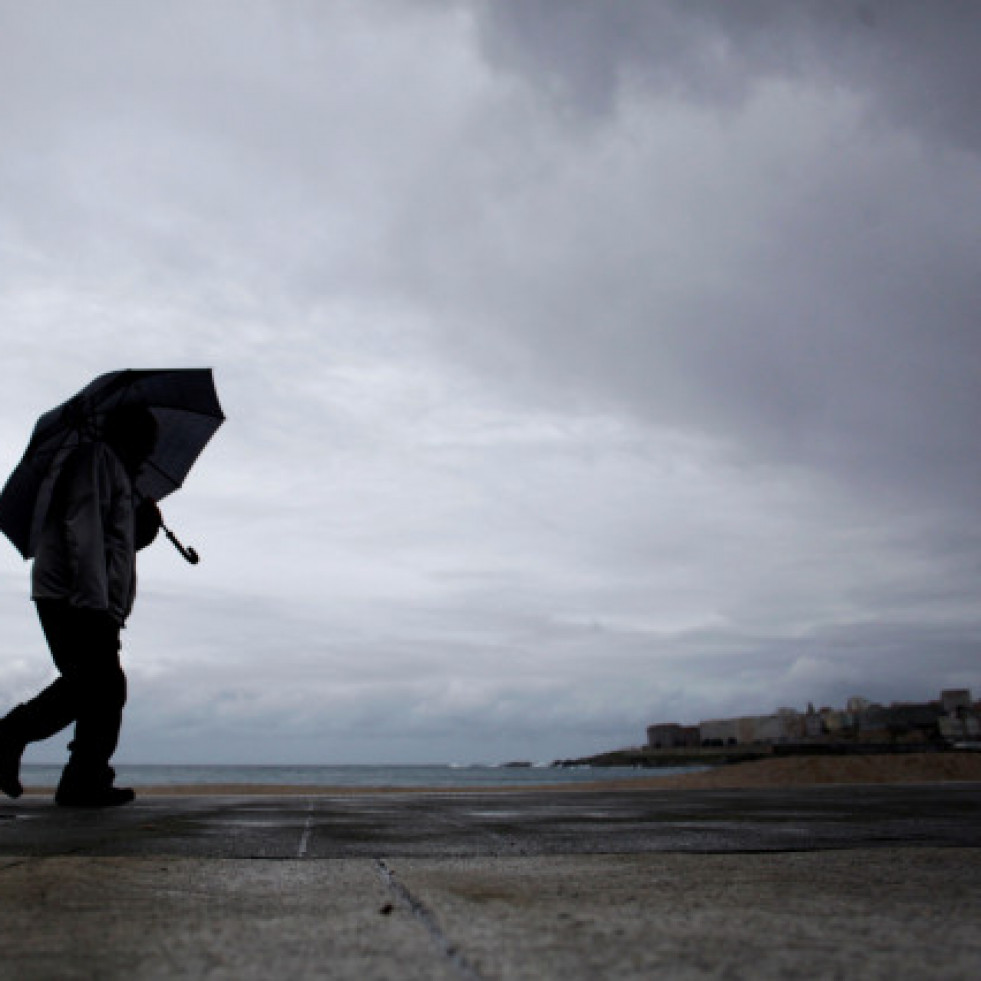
<point>804,771</point>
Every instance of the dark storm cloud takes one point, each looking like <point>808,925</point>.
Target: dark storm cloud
<point>918,61</point>
<point>799,273</point>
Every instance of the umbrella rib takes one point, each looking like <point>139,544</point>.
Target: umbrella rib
<point>163,473</point>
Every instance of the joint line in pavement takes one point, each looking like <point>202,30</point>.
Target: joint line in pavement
<point>307,831</point>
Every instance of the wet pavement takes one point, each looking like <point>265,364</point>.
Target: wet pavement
<point>495,824</point>
<point>831,882</point>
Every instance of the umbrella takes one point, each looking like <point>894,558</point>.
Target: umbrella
<point>185,405</point>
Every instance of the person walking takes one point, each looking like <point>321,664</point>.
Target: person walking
<point>83,584</point>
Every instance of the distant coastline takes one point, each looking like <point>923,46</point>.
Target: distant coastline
<point>861,728</point>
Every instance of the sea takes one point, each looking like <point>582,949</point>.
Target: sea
<point>407,776</point>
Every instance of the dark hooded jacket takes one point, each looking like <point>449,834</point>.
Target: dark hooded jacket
<point>86,552</point>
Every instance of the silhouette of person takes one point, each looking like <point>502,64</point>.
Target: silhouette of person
<point>83,584</point>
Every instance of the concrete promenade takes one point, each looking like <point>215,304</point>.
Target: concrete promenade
<point>829,882</point>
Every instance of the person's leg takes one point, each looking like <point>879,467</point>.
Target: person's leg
<point>42,717</point>
<point>85,646</point>
<point>101,694</point>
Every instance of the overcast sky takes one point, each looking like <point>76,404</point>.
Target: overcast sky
<point>586,364</point>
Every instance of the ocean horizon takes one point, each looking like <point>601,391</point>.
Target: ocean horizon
<point>407,775</point>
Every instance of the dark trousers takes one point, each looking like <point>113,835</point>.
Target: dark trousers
<point>91,692</point>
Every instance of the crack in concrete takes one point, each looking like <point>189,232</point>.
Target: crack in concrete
<point>428,919</point>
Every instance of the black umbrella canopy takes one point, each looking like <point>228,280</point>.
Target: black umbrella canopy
<point>184,403</point>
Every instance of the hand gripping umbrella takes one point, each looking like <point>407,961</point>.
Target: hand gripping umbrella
<point>183,402</point>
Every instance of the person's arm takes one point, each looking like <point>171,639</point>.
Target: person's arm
<point>119,529</point>
<point>84,536</point>
<point>148,522</point>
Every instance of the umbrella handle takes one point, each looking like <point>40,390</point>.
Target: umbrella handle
<point>188,553</point>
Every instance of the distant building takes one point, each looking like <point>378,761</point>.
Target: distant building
<point>670,735</point>
<point>719,732</point>
<point>814,726</point>
<point>961,721</point>
<point>786,726</point>
<point>953,699</point>
<point>837,723</point>
<point>909,720</point>
<point>954,718</point>
<point>965,727</point>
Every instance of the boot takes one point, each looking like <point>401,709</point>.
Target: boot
<point>41,717</point>
<point>94,797</point>
<point>90,785</point>
<point>11,749</point>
